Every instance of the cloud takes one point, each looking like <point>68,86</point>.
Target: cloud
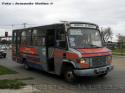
<point>103,12</point>
<point>2,32</point>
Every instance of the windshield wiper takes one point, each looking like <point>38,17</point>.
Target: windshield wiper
<point>88,46</point>
<point>94,46</point>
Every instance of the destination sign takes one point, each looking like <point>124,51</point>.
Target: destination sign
<point>84,25</point>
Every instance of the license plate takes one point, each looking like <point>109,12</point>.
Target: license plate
<point>101,69</point>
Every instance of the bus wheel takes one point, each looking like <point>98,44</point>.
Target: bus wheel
<point>69,74</point>
<point>26,66</point>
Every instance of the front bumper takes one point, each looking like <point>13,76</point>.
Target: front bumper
<point>93,71</point>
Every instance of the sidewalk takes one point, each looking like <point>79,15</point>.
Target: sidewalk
<point>13,77</point>
<point>26,89</point>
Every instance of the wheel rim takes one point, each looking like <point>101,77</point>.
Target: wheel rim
<point>69,76</point>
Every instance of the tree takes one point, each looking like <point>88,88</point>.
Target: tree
<point>106,34</point>
<point>121,41</point>
<point>121,38</point>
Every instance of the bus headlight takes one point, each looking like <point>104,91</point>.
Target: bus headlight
<point>82,61</point>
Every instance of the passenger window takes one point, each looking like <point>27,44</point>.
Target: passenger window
<point>38,37</point>
<point>34,37</point>
<point>14,37</point>
<point>23,38</point>
<point>28,36</point>
<point>60,39</point>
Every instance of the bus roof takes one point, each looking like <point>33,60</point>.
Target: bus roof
<point>57,24</point>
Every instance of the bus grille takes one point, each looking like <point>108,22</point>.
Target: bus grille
<point>98,61</point>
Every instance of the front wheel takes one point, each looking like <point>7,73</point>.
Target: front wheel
<point>69,75</point>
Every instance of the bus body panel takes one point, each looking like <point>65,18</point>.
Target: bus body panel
<point>52,58</point>
<point>59,55</point>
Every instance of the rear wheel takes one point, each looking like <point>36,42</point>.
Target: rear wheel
<point>69,74</point>
<point>26,66</point>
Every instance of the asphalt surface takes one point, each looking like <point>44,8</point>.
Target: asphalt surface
<point>114,82</point>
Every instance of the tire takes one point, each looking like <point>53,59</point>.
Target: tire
<point>26,66</point>
<point>69,75</point>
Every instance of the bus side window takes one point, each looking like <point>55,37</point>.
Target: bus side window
<point>34,37</point>
<point>38,37</point>
<point>14,37</point>
<point>23,38</point>
<point>60,39</point>
<point>28,37</point>
<point>41,38</point>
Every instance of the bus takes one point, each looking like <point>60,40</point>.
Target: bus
<point>69,49</point>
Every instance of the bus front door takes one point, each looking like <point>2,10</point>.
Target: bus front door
<point>50,42</point>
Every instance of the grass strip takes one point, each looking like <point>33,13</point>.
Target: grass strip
<point>4,71</point>
<point>118,54</point>
<point>11,84</point>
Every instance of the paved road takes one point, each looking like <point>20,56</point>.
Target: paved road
<point>114,82</point>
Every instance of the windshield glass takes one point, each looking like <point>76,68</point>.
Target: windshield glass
<point>84,38</point>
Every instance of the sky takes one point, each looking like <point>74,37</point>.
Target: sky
<point>105,13</point>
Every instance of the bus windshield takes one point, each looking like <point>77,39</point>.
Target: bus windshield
<point>84,38</point>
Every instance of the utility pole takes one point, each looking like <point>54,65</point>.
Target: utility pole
<point>24,24</point>
<point>12,26</point>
